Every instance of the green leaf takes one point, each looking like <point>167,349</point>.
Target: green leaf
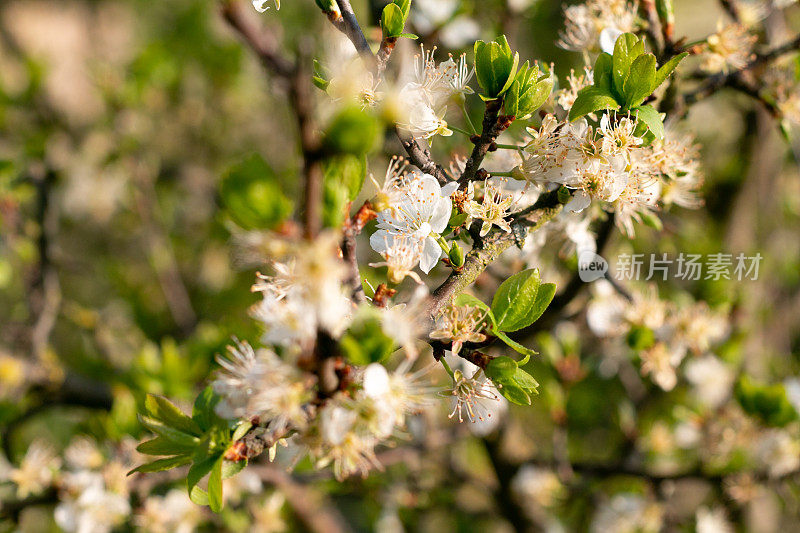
<point>543,298</point>
<point>514,300</point>
<point>343,177</point>
<point>241,430</point>
<point>652,118</point>
<point>352,131</point>
<point>769,403</point>
<point>252,195</point>
<point>626,49</point>
<point>589,100</point>
<point>640,82</point>
<point>163,464</point>
<point>162,446</point>
<point>162,409</point>
<point>501,369</point>
<point>215,501</point>
<point>667,68</point>
<point>495,67</point>
<point>198,496</point>
<point>405,7</point>
<point>203,410</point>
<point>174,435</point>
<point>514,393</point>
<point>365,342</point>
<point>231,468</point>
<point>511,343</point>
<point>392,21</point>
<point>409,36</point>
<point>511,100</point>
<point>603,73</point>
<point>199,469</point>
<point>526,381</point>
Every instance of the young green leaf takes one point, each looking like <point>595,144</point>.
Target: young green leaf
<point>500,369</point>
<point>165,411</point>
<point>392,21</point>
<point>215,501</point>
<point>526,381</point>
<point>514,393</point>
<point>652,118</point>
<point>231,468</point>
<point>514,300</point>
<point>667,68</point>
<point>511,343</point>
<point>640,82</point>
<point>162,446</point>
<point>174,435</point>
<point>543,298</point>
<point>162,464</point>
<point>589,100</point>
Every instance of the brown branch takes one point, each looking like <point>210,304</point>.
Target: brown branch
<point>261,42</point>
<point>352,228</point>
<point>420,156</point>
<point>347,23</point>
<point>735,79</point>
<point>493,125</point>
<point>298,79</point>
<point>382,57</point>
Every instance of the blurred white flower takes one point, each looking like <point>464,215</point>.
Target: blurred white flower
<point>712,521</point>
<point>712,380</point>
<point>36,471</point>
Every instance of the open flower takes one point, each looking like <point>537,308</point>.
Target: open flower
<point>419,217</point>
<point>468,395</point>
<point>460,324</point>
<point>499,196</point>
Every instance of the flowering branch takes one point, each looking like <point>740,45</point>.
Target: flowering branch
<point>736,79</point>
<point>490,247</point>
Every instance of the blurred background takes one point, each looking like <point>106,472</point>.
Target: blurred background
<point>119,277</point>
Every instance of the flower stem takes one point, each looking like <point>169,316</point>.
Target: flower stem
<point>469,120</point>
<point>459,130</point>
<point>508,146</point>
<point>447,368</point>
<point>507,174</point>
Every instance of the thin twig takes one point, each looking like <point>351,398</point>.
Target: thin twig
<point>350,27</point>
<point>493,125</point>
<point>419,153</point>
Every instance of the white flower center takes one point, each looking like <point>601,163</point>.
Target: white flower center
<point>423,231</point>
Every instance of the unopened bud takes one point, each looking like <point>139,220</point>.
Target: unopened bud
<point>456,255</point>
<point>564,195</point>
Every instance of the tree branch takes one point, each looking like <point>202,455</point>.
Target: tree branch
<point>419,153</point>
<point>347,23</point>
<point>493,126</point>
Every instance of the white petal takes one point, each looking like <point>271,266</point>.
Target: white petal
<point>431,252</point>
<point>376,381</point>
<point>441,214</point>
<point>579,202</point>
<point>608,38</point>
<point>449,188</point>
<point>381,240</point>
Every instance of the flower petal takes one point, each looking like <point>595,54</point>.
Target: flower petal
<point>431,252</point>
